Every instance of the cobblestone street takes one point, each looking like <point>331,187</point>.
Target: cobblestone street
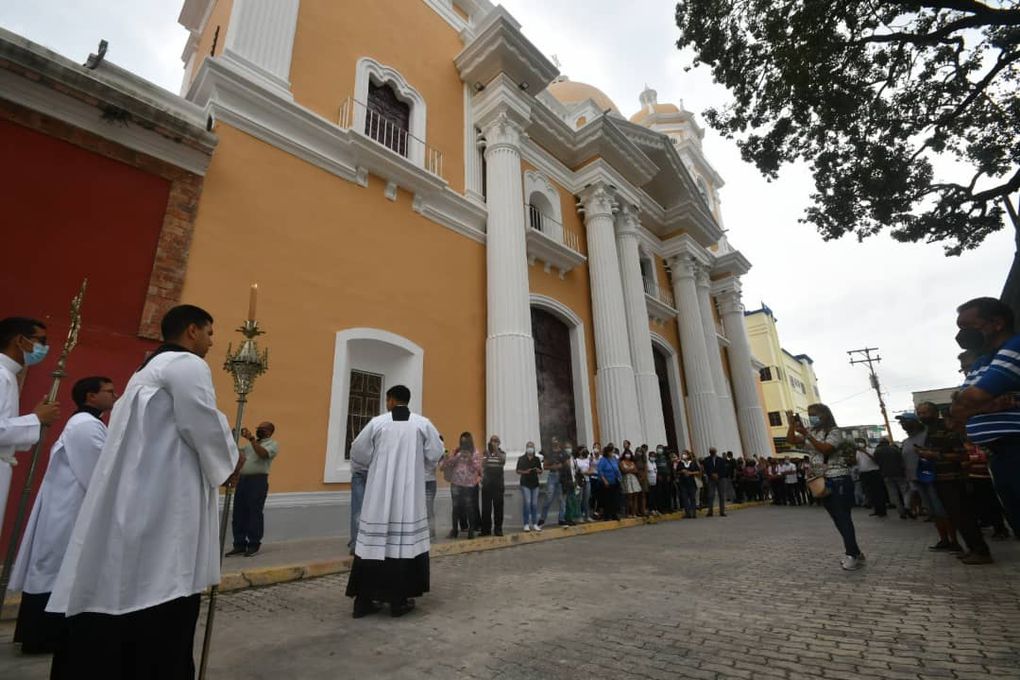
<point>758,594</point>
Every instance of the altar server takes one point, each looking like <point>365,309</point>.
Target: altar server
<point>72,459</point>
<point>22,343</point>
<point>391,556</point>
<point>146,544</point>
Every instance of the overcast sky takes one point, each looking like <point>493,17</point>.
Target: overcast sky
<point>828,297</point>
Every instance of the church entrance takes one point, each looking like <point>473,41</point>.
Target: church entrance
<point>556,415</point>
<point>662,373</point>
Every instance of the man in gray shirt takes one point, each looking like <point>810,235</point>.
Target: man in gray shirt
<point>252,489</point>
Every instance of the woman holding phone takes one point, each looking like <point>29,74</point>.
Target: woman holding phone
<point>821,438</point>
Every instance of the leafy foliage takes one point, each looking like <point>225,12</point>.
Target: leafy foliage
<point>868,93</point>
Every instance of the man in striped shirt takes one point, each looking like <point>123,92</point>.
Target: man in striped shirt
<point>986,401</point>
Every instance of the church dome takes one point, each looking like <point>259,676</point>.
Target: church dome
<point>569,92</point>
<point>650,106</point>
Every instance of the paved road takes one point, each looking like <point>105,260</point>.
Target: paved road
<point>758,594</point>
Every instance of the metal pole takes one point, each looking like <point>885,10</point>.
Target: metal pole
<point>26,491</point>
<point>227,498</point>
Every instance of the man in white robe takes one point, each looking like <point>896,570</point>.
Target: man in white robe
<point>146,542</point>
<point>72,459</point>
<point>22,343</point>
<point>391,556</point>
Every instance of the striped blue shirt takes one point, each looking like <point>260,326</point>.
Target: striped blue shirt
<point>996,374</point>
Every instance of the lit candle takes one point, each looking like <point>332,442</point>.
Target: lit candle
<point>251,301</point>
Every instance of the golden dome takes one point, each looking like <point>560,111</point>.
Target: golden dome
<point>571,92</point>
<point>659,109</point>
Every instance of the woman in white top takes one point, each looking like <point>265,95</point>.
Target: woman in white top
<point>585,470</point>
<point>822,442</point>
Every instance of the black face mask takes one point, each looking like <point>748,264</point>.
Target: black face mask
<point>971,339</point>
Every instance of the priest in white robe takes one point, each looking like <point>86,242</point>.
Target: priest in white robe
<point>391,556</point>
<point>22,343</point>
<point>146,542</point>
<point>72,459</point>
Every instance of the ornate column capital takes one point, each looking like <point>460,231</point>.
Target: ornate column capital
<point>503,130</point>
<point>597,200</point>
<point>684,266</point>
<point>628,222</point>
<point>728,297</point>
<point>701,276</point>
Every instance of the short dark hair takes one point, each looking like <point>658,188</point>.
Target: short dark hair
<point>399,394</point>
<point>175,322</point>
<point>989,308</point>
<point>16,326</point>
<point>86,386</point>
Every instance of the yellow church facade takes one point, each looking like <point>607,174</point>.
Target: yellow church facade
<point>424,199</point>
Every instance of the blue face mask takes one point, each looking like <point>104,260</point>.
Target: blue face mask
<point>38,353</point>
<point>815,421</point>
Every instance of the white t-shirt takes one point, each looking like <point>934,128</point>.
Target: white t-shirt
<point>865,462</point>
<point>790,471</point>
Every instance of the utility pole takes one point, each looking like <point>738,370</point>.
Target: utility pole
<point>871,361</point>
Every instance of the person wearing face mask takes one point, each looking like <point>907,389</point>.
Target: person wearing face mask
<point>492,488</point>
<point>248,522</point>
<point>663,480</point>
<point>986,401</point>
<point>529,467</point>
<point>631,484</point>
<point>871,479</point>
<point>22,343</point>
<point>554,463</point>
<point>585,470</point>
<point>609,479</point>
<point>688,472</point>
<point>463,471</point>
<point>822,440</point>
<point>568,481</point>
<point>715,469</point>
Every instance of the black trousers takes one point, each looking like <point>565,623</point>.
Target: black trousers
<point>156,643</point>
<point>38,630</point>
<point>611,501</point>
<point>874,489</point>
<point>986,503</point>
<point>958,505</point>
<point>492,504</point>
<point>464,506</point>
<point>249,502</point>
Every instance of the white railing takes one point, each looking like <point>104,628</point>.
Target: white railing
<point>539,221</point>
<point>356,116</point>
<point>665,296</point>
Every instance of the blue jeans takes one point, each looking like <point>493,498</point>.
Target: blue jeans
<point>584,493</point>
<point>1004,464</point>
<point>358,482</point>
<point>430,506</point>
<point>839,503</point>
<point>689,496</point>
<point>529,505</point>
<point>553,493</point>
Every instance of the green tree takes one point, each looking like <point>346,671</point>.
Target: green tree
<point>868,93</point>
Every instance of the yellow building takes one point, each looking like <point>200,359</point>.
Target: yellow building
<point>788,380</point>
<point>424,199</point>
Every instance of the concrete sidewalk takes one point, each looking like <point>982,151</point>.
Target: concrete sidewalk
<point>286,561</point>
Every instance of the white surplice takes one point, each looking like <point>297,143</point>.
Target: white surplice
<point>394,523</point>
<point>72,460</point>
<point>148,529</point>
<point>17,433</point>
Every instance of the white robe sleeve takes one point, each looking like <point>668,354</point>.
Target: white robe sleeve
<point>363,446</point>
<point>200,424</point>
<point>21,432</point>
<point>433,444</point>
<point>82,445</point>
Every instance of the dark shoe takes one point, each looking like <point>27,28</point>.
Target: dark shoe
<point>941,546</point>
<point>709,514</point>
<point>452,534</point>
<point>484,532</point>
<point>562,524</point>
<point>236,551</point>
<point>497,532</point>
<point>955,548</point>
<point>471,534</point>
<point>252,550</point>
<point>722,514</point>
<point>364,606</point>
<point>1000,536</point>
<point>541,522</point>
<point>977,558</point>
<point>401,608</point>
<point>570,523</point>
<point>874,514</point>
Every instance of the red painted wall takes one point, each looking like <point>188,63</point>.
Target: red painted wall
<point>68,213</point>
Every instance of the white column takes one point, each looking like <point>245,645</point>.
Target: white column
<point>750,415</point>
<point>646,382</point>
<point>726,418</point>
<point>615,392</point>
<point>260,40</point>
<point>472,158</point>
<point>700,388</point>
<point>511,386</point>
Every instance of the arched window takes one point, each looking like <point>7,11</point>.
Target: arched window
<point>534,216</point>
<point>540,212</point>
<point>648,275</point>
<point>388,119</point>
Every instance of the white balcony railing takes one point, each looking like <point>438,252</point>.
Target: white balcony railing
<point>356,116</point>
<point>558,232</point>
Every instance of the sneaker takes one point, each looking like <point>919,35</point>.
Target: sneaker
<point>541,522</point>
<point>977,558</point>
<point>955,548</point>
<point>537,527</point>
<point>237,551</point>
<point>527,527</point>
<point>941,546</point>
<point>850,563</point>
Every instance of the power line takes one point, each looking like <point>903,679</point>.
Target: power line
<point>871,361</point>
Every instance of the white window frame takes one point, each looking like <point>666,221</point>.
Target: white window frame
<point>537,183</point>
<point>370,70</point>
<point>364,349</point>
